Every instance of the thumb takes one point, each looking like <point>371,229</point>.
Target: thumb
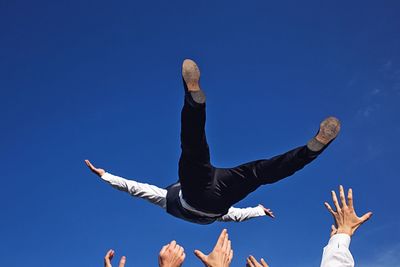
<point>366,217</point>
<point>200,255</point>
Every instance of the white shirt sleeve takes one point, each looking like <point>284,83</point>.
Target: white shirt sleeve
<point>337,253</point>
<point>149,192</point>
<point>240,215</point>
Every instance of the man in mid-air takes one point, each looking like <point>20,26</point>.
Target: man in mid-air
<point>205,193</point>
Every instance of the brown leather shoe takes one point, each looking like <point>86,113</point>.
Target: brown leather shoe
<point>328,131</point>
<point>191,80</point>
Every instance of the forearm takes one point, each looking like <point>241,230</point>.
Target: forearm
<point>337,253</point>
<point>149,192</point>
<point>240,215</point>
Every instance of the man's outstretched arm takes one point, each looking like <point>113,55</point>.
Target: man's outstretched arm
<point>149,192</point>
<point>243,214</point>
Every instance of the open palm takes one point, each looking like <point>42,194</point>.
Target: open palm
<point>345,216</point>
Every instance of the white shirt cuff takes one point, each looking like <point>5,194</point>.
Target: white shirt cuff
<point>106,176</point>
<point>260,211</point>
<point>340,240</point>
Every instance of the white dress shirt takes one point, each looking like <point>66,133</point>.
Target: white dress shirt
<point>158,196</point>
<point>337,253</point>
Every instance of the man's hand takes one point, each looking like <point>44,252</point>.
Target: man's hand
<point>108,257</point>
<point>171,255</point>
<point>345,216</point>
<point>268,212</point>
<point>252,262</point>
<point>222,254</point>
<point>95,170</point>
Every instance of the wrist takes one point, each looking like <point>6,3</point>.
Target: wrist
<point>344,230</point>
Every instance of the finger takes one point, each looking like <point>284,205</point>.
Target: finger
<point>93,168</point>
<point>122,261</point>
<point>89,164</point>
<point>335,201</point>
<point>200,255</point>
<point>366,217</point>
<point>270,213</point>
<point>230,256</point>
<point>108,257</point>
<point>249,262</point>
<point>329,208</point>
<point>342,198</point>
<point>225,243</point>
<point>253,260</point>
<point>264,263</point>
<point>109,253</point>
<point>163,249</point>
<point>181,251</point>
<point>177,249</point>
<point>229,247</point>
<point>221,238</point>
<point>350,198</point>
<point>172,245</point>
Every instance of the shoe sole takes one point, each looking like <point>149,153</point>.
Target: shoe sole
<point>328,130</point>
<point>191,75</point>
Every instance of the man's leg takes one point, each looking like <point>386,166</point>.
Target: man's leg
<point>236,183</point>
<point>195,170</point>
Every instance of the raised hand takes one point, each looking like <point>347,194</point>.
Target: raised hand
<point>109,256</point>
<point>252,262</point>
<point>267,211</point>
<point>95,170</point>
<point>345,217</point>
<point>171,255</point>
<point>222,254</point>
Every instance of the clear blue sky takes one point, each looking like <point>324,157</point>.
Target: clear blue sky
<point>101,80</point>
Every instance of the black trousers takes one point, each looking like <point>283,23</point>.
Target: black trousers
<point>215,190</point>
